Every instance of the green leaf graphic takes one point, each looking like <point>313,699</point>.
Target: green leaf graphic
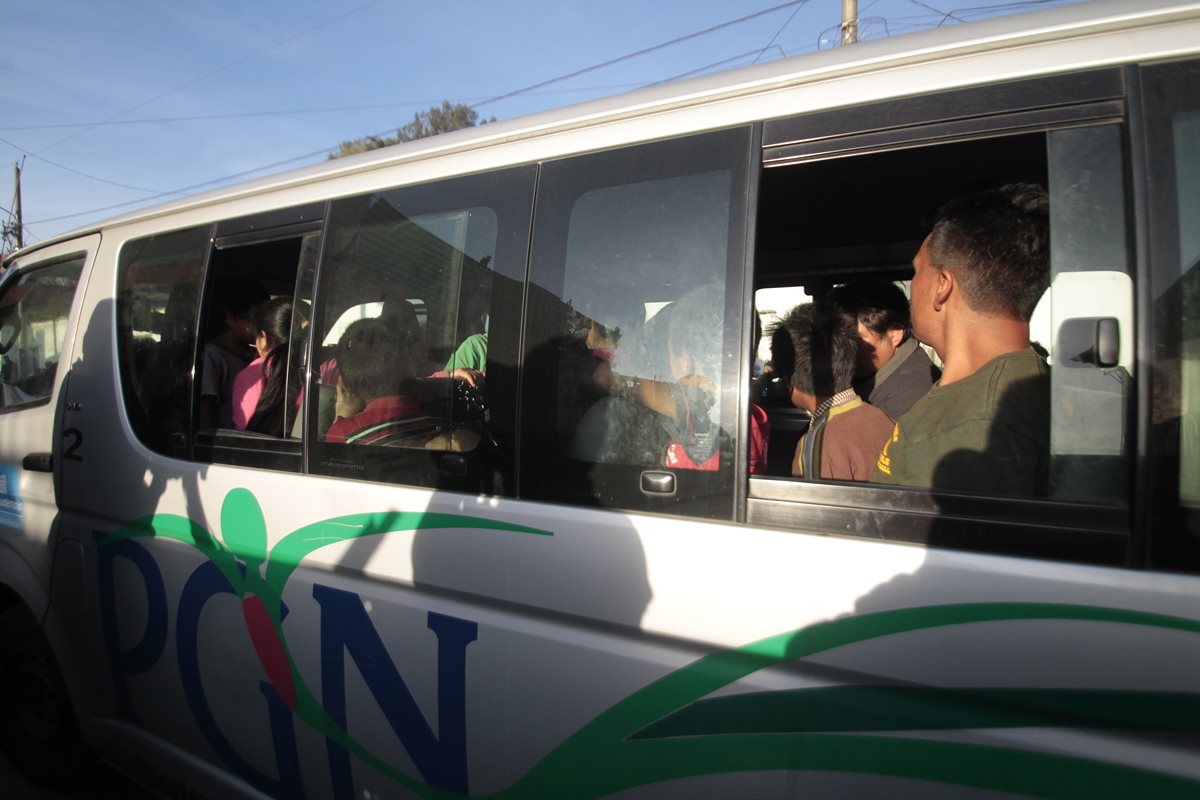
<point>672,729</point>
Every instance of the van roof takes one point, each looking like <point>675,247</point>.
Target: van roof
<point>1059,23</point>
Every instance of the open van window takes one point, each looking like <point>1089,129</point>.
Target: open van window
<point>825,221</point>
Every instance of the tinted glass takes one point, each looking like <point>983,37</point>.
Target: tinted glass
<point>34,312</point>
<point>415,331</point>
<point>1090,301</point>
<point>1172,98</point>
<point>158,290</point>
<point>634,329</point>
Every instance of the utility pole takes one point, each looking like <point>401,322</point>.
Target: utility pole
<point>16,202</point>
<point>849,21</point>
<point>14,229</point>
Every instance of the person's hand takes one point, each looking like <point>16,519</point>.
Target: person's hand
<point>348,403</point>
<point>472,378</point>
<point>699,382</point>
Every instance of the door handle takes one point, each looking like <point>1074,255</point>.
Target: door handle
<point>38,462</point>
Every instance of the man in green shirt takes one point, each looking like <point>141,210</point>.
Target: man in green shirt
<point>985,426</point>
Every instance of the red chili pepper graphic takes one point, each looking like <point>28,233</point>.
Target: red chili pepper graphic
<point>269,648</point>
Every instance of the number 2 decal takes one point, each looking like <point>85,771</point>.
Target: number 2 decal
<point>74,438</point>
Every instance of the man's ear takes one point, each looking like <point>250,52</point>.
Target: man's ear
<point>895,336</point>
<point>943,287</point>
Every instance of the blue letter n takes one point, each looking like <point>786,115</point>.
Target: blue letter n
<point>345,627</point>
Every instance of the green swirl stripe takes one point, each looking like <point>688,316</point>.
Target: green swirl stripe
<point>860,709</point>
<point>996,768</point>
<point>609,739</point>
<point>672,729</point>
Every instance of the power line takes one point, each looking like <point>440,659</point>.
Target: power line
<point>525,90</point>
<point>937,18</point>
<point>159,193</point>
<point>186,189</point>
<point>641,52</point>
<point>957,13</point>
<point>778,33</point>
<point>222,68</point>
<point>31,237</point>
<point>207,117</point>
<point>64,167</point>
<point>285,112</point>
<point>155,193</point>
<point>721,63</point>
<point>943,14</point>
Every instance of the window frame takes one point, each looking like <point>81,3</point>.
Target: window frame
<point>14,277</point>
<point>489,468</point>
<point>1049,528</point>
<point>246,448</point>
<point>173,444</point>
<point>1171,530</point>
<point>713,495</point>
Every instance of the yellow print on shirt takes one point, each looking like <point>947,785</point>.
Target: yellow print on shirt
<point>884,464</point>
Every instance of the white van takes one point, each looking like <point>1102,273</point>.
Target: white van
<point>504,588</point>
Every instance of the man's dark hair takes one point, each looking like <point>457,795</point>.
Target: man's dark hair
<point>374,357</point>
<point>998,243</point>
<point>815,348</point>
<point>879,305</point>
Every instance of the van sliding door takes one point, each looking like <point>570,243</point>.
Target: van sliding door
<point>38,323</point>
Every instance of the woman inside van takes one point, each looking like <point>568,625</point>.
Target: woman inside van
<point>259,390</point>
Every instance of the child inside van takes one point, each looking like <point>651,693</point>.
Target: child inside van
<point>229,348</point>
<point>375,359</point>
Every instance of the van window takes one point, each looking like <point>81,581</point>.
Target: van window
<point>1090,282</point>
<point>1172,105</point>
<point>249,391</point>
<point>34,311</point>
<point>405,351</point>
<point>634,331</point>
<point>826,221</point>
<point>158,291</point>
<point>180,297</point>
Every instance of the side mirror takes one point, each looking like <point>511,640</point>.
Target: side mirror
<point>1089,342</point>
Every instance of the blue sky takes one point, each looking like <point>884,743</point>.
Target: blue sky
<point>113,102</point>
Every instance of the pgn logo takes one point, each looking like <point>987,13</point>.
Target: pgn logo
<point>345,628</point>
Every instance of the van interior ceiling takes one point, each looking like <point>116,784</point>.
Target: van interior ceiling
<point>273,263</point>
<point>822,223</point>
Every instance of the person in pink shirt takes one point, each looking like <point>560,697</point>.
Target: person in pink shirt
<point>260,390</point>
